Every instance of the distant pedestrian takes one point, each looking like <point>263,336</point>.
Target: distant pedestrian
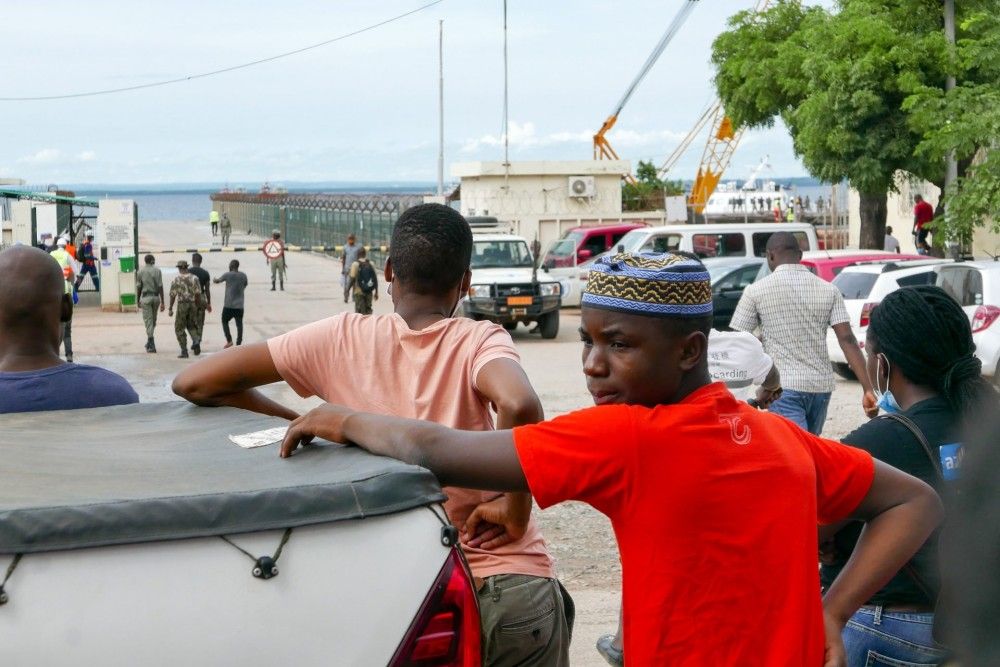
<point>149,292</point>
<point>88,262</point>
<point>923,213</point>
<point>66,261</point>
<point>205,282</point>
<point>347,259</point>
<point>213,219</point>
<point>34,302</point>
<point>768,201</point>
<point>808,204</point>
<point>891,242</point>
<point>186,292</point>
<point>364,281</point>
<point>820,204</point>
<point>227,229</point>
<point>276,259</point>
<point>232,308</point>
<point>793,309</point>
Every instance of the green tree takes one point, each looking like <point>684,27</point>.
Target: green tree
<point>838,80</point>
<point>966,121</point>
<point>647,193</point>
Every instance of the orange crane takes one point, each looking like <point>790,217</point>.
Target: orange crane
<point>602,148</point>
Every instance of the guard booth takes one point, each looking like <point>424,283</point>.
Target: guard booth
<point>39,218</point>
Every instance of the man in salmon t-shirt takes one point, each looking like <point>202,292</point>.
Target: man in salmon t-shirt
<point>714,504</point>
<point>421,362</point>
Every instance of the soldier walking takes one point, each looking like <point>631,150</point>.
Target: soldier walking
<point>149,292</point>
<point>205,283</point>
<point>186,292</point>
<point>274,253</point>
<point>226,227</point>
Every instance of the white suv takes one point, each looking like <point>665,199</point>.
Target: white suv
<point>976,287</point>
<point>864,286</point>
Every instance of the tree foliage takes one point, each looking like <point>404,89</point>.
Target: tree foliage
<point>838,80</point>
<point>649,190</point>
<point>966,121</point>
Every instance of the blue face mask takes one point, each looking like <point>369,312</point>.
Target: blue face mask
<point>886,401</point>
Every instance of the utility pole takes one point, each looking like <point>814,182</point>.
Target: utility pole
<point>951,171</point>
<point>440,190</point>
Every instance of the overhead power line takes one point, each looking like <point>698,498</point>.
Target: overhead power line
<point>233,68</point>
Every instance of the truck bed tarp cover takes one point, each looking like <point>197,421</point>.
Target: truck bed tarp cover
<point>149,472</point>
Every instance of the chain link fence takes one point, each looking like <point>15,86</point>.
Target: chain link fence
<point>317,219</point>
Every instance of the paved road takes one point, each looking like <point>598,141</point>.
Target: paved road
<point>580,538</point>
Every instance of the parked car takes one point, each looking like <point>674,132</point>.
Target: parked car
<point>827,264</point>
<point>976,286</point>
<point>582,243</point>
<point>507,285</point>
<point>579,245</point>
<point>730,276</point>
<point>716,240</point>
<point>863,287</point>
<point>183,544</point>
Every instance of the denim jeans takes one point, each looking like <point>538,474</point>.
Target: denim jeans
<point>877,638</point>
<point>804,408</point>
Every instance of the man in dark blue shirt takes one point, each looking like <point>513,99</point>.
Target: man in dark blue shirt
<point>33,305</point>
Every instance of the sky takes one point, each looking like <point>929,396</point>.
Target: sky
<point>361,109</point>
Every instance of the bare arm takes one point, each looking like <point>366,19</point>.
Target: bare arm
<point>470,459</point>
<point>504,519</point>
<point>230,377</point>
<point>849,344</point>
<point>901,513</point>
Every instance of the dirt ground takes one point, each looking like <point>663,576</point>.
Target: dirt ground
<point>579,537</point>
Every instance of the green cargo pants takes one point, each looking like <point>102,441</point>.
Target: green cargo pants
<point>150,307</point>
<point>199,320</point>
<point>184,321</point>
<point>526,620</point>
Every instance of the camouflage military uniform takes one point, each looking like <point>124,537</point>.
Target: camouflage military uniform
<point>186,289</point>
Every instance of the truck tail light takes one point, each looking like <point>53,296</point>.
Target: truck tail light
<point>446,631</point>
<point>984,317</point>
<point>866,312</point>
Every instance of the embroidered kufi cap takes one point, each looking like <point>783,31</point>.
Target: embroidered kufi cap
<point>658,284</point>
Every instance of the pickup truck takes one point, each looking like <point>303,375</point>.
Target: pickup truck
<point>506,286</point>
<point>167,534</point>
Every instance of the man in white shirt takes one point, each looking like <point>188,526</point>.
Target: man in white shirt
<point>891,242</point>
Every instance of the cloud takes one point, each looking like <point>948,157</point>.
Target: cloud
<point>44,156</point>
<point>51,156</point>
<point>523,135</point>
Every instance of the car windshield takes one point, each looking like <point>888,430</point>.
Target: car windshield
<point>496,254</point>
<point>855,285</point>
<point>632,241</point>
<point>565,247</point>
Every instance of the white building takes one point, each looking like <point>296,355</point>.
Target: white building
<point>543,199</point>
<point>899,216</point>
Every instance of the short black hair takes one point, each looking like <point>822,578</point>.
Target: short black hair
<point>233,265</point>
<point>149,259</point>
<point>362,252</point>
<point>196,258</point>
<point>783,242</point>
<point>431,248</point>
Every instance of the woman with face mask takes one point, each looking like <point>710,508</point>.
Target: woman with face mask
<point>929,386</point>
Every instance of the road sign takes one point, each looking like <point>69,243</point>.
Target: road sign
<point>273,249</point>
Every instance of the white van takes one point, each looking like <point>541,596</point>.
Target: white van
<point>715,240</point>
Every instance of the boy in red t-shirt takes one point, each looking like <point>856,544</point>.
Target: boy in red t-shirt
<point>714,504</point>
<point>923,213</point>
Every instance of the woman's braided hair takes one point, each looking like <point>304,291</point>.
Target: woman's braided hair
<point>926,335</point>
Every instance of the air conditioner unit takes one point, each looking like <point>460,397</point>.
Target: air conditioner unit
<point>581,186</point>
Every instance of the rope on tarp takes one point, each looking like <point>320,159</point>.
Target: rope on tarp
<point>10,570</point>
<point>265,567</point>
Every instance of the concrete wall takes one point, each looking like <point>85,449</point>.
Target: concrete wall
<point>528,193</point>
<point>899,216</point>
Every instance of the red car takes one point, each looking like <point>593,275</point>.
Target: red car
<point>827,264</point>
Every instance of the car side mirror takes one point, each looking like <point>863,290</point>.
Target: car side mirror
<point>584,255</point>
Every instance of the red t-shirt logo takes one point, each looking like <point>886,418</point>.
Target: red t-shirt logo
<point>740,433</point>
